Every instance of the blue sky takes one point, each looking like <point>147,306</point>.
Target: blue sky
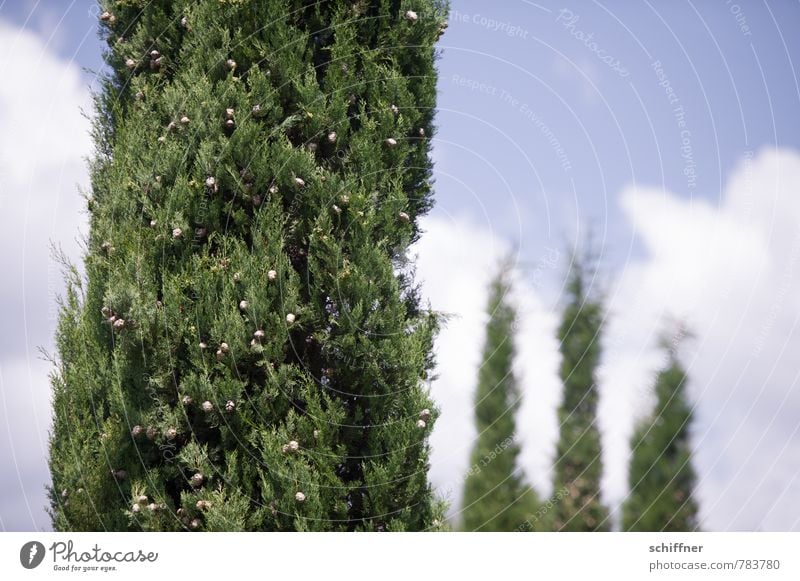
<point>668,128</point>
<point>615,130</point>
<point>507,64</point>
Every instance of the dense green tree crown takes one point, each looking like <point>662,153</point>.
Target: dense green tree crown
<point>661,477</point>
<point>247,350</point>
<point>495,495</point>
<point>579,466</point>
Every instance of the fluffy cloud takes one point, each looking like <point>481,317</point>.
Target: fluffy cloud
<point>43,139</point>
<point>730,270</point>
<point>456,262</point>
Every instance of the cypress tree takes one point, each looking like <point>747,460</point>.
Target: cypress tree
<point>495,495</point>
<point>247,349</point>
<point>579,466</point>
<point>661,477</point>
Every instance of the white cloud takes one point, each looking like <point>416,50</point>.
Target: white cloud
<point>731,271</point>
<point>43,139</point>
<point>456,262</point>
<point>25,415</point>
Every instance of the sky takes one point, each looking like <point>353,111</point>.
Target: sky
<point>665,131</point>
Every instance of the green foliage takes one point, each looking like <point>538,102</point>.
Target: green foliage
<point>248,351</point>
<point>496,497</point>
<point>661,477</point>
<point>579,467</point>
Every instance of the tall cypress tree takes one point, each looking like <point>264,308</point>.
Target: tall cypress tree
<point>247,349</point>
<point>661,477</point>
<point>496,497</point>
<point>579,466</point>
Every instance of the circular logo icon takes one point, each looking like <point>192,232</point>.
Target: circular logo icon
<point>31,554</point>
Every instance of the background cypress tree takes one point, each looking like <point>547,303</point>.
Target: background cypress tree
<point>496,497</point>
<point>661,477</point>
<point>579,466</point>
<point>247,349</point>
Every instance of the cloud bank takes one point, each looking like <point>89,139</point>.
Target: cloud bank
<point>729,270</point>
<point>43,139</point>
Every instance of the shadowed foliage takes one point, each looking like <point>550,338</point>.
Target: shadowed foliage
<point>247,350</point>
